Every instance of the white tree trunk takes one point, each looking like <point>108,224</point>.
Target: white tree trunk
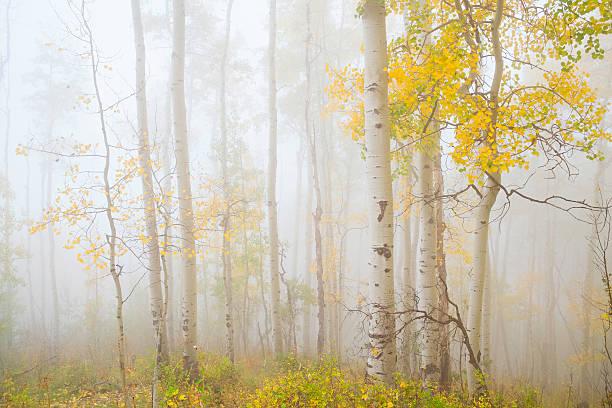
<point>550,340</point>
<point>29,252</point>
<point>7,94</point>
<point>111,237</point>
<point>382,355</point>
<point>148,197</point>
<point>408,292</point>
<point>427,289</point>
<point>189,305</point>
<point>483,214</point>
<point>587,346</point>
<point>55,343</point>
<point>318,248</point>
<point>307,253</point>
<point>485,340</point>
<point>227,196</point>
<point>479,263</point>
<point>443,301</point>
<point>272,163</point>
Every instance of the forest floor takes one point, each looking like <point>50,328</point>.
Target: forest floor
<point>288,382</point>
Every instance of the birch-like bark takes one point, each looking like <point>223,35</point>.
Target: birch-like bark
<point>29,252</point>
<point>227,256</point>
<point>272,164</point>
<point>318,248</point>
<point>427,280</point>
<point>293,271</point>
<point>245,243</point>
<point>168,260</point>
<point>148,196</point>
<point>43,267</point>
<point>485,341</point>
<point>55,343</point>
<point>307,263</point>
<point>408,293</point>
<point>111,238</point>
<point>262,292</point>
<point>381,331</point>
<point>550,340</point>
<point>444,340</point>
<point>408,339</point>
<point>329,249</point>
<point>7,95</point>
<point>586,379</point>
<point>189,305</point>
<point>307,259</point>
<point>483,215</point>
<point>479,262</point>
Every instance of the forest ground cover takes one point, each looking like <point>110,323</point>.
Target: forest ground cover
<point>287,382</point>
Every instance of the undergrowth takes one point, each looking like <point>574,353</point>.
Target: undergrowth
<point>287,382</point>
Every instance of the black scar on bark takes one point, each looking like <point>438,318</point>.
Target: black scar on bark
<point>384,251</point>
<point>383,207</point>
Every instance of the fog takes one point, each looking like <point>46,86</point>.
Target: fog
<point>162,210</point>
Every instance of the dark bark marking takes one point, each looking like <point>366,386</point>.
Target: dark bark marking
<point>383,207</point>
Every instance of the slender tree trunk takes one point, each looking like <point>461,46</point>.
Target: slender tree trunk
<point>381,358</point>
<point>329,254</point>
<point>444,342</point>
<point>7,95</point>
<point>148,196</point>
<point>245,243</point>
<point>408,293</point>
<point>29,254</point>
<point>245,296</point>
<point>298,211</point>
<point>480,254</point>
<point>167,185</point>
<point>292,342</point>
<point>429,219</point>
<point>550,341</point>
<point>111,238</point>
<point>263,294</point>
<point>43,268</point>
<point>307,263</point>
<point>486,320</point>
<point>342,255</point>
<point>52,273</point>
<point>586,379</point>
<point>500,319</point>
<point>530,352</point>
<point>227,230</point>
<point>427,281</point>
<point>318,249</point>
<point>307,259</point>
<point>190,294</point>
<point>272,163</point>
<point>483,212</point>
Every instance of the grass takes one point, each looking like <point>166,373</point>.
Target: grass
<point>287,382</point>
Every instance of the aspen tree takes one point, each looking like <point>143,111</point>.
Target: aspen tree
<point>148,196</point>
<point>55,346</point>
<point>381,361</point>
<point>7,93</point>
<point>483,211</point>
<point>227,229</point>
<point>272,164</point>
<point>307,259</point>
<point>189,306</point>
<point>111,237</point>
<point>443,301</point>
